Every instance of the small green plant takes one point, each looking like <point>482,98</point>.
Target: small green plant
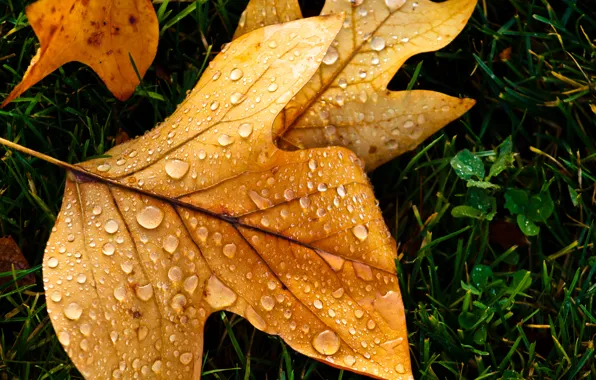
<point>481,202</point>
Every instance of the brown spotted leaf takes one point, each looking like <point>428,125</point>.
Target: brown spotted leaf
<point>101,34</point>
<point>205,213</point>
<point>346,103</point>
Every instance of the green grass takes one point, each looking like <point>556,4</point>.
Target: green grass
<point>477,307</point>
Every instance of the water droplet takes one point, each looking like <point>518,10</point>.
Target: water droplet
<point>370,324</point>
<point>394,5</point>
<point>224,140</point>
<point>377,43</point>
<point>84,345</point>
<point>331,56</point>
<point>245,130</point>
<point>400,368</point>
<point>409,124</point>
<point>103,168</point>
<point>236,98</point>
<point>64,338</point>
<point>360,232</point>
<point>156,367</point>
<point>73,311</point>
<point>322,187</point>
<point>318,304</point>
<point>389,306</point>
<point>349,360</point>
<point>56,296</point>
<point>81,278</point>
<point>108,249</point>
<point>178,302</point>
<point>236,74</point>
<point>363,271</point>
<point>142,332</point>
<point>53,262</point>
<point>214,105</point>
<point>265,221</point>
<point>126,267</point>
<point>175,274</point>
<point>326,342</point>
<point>272,87</point>
<point>111,226</point>
<point>268,303</point>
<point>186,358</point>
<point>96,210</point>
<point>305,202</point>
<point>150,218</point>
<point>259,201</point>
<point>85,329</point>
<point>177,169</point>
<point>338,293</point>
<point>255,319</point>
<point>219,295</point>
<point>335,262</point>
<point>229,250</point>
<point>272,44</point>
<point>120,293</point>
<point>190,284</point>
<point>170,243</point>
<point>144,292</point>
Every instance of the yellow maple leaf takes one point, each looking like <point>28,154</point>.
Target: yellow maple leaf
<point>101,34</point>
<point>205,213</point>
<point>346,103</point>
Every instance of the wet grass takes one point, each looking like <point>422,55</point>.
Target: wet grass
<point>483,300</point>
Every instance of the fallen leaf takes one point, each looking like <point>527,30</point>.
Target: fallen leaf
<point>347,102</point>
<point>11,258</point>
<point>101,34</point>
<point>205,213</point>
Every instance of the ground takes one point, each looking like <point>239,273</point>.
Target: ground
<point>482,299</point>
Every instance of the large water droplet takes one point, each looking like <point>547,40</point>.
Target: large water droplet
<point>255,319</point>
<point>175,274</point>
<point>224,140</point>
<point>259,201</point>
<point>108,249</point>
<point>245,130</point>
<point>56,296</point>
<point>103,168</point>
<point>394,4</point>
<point>150,218</point>
<point>363,271</point>
<point>229,250</point>
<point>111,226</point>
<point>349,360</point>
<point>177,169</point>
<point>377,43</point>
<point>331,56</point>
<point>360,232</point>
<point>53,262</point>
<point>186,358</point>
<point>144,292</point>
<point>64,338</point>
<point>219,295</point>
<point>178,302</point>
<point>73,311</point>
<point>170,243</point>
<point>326,342</point>
<point>236,74</point>
<point>268,303</point>
<point>190,284</point>
<point>120,293</point>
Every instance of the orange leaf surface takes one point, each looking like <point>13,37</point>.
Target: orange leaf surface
<point>346,103</point>
<point>205,213</point>
<point>101,34</point>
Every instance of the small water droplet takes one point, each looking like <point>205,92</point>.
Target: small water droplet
<point>272,87</point>
<point>81,278</point>
<point>73,311</point>
<point>400,368</point>
<point>85,329</point>
<point>64,338</point>
<point>190,284</point>
<point>156,367</point>
<point>103,168</point>
<point>318,304</point>
<point>142,332</point>
<point>326,342</point>
<point>236,98</point>
<point>178,302</point>
<point>96,210</point>
<point>186,358</point>
<point>305,202</point>
<point>150,218</point>
<point>126,267</point>
<point>56,296</point>
<point>175,274</point>
<point>349,360</point>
